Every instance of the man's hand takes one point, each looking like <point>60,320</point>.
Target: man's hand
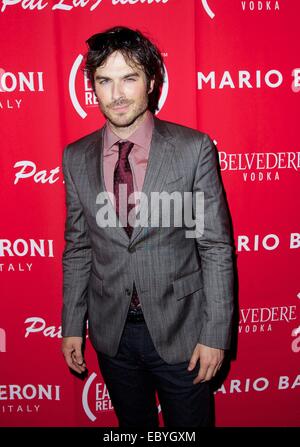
<point>72,351</point>
<point>210,362</point>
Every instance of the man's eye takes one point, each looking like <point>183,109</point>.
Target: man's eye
<point>130,79</point>
<point>103,81</point>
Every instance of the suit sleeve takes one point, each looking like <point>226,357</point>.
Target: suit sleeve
<point>76,259</point>
<point>216,251</point>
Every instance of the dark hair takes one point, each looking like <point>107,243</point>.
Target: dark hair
<point>136,49</point>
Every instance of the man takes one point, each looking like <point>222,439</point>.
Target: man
<point>159,302</point>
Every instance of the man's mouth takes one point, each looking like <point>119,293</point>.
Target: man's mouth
<point>119,107</point>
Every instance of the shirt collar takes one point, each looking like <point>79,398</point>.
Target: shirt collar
<point>141,137</point>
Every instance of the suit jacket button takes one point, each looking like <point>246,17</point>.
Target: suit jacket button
<point>131,249</point>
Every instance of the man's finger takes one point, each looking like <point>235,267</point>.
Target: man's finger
<point>217,368</point>
<point>193,361</point>
<point>70,362</point>
<point>77,356</point>
<point>78,361</point>
<point>209,373</point>
<point>202,374</point>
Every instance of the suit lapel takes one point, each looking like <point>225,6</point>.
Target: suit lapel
<point>159,162</point>
<point>158,167</point>
<point>93,162</point>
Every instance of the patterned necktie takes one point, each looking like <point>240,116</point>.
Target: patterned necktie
<point>123,187</point>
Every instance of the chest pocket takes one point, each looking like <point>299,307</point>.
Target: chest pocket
<point>187,284</point>
<point>175,180</point>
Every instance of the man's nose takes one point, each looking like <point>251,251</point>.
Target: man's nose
<point>117,91</point>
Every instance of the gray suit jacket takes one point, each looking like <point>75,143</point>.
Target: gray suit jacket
<point>185,285</point>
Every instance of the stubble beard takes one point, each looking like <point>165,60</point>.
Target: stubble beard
<point>131,119</point>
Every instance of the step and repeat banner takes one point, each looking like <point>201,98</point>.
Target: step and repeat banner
<point>233,71</point>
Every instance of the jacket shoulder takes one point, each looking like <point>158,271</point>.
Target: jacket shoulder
<point>83,144</point>
<point>187,139</point>
<point>181,130</point>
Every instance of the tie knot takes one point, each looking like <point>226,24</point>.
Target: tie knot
<point>124,149</point>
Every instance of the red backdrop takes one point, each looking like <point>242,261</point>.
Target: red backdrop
<point>233,72</point>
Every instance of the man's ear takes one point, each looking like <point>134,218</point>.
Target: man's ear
<point>151,86</point>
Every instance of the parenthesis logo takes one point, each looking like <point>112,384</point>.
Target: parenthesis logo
<point>207,9</point>
<point>164,92</point>
<point>85,402</point>
<point>74,98</point>
<point>72,87</point>
<point>85,394</point>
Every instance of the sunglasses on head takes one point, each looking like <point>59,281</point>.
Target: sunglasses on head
<point>100,40</point>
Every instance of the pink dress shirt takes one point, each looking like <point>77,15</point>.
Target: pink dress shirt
<point>138,157</point>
